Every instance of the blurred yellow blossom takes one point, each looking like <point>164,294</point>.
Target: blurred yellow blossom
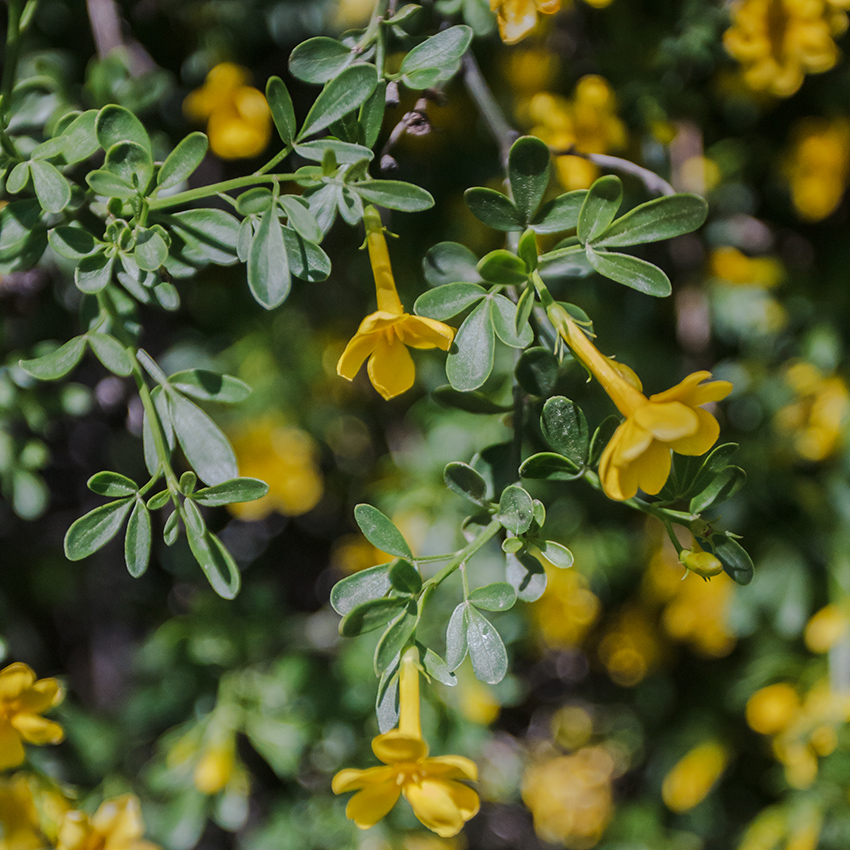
<point>778,42</point>
<point>353,552</point>
<point>572,727</point>
<point>729,265</point>
<point>352,13</point>
<point>517,18</point>
<point>772,708</point>
<point>430,785</point>
<point>216,765</point>
<point>690,780</point>
<point>799,825</point>
<point>476,701</point>
<point>237,115</point>
<point>570,797</point>
<point>284,457</point>
<point>639,454</point>
<point>826,627</point>
<point>19,823</point>
<point>630,647</point>
<point>815,420</point>
<point>383,336</point>
<point>22,702</point>
<point>530,70</point>
<point>817,166</point>
<point>116,825</point>
<point>567,610</point>
<point>588,122</point>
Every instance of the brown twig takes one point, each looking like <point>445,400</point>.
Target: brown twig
<point>415,123</point>
<point>655,184</point>
<point>108,36</point>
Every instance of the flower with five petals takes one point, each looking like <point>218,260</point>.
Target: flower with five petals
<point>638,456</point>
<point>517,18</point>
<point>22,701</point>
<point>430,785</point>
<point>383,336</point>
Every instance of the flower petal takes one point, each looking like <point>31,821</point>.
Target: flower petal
<point>667,421</point>
<point>393,747</point>
<point>14,680</point>
<point>516,20</point>
<point>11,749</point>
<point>368,806</point>
<point>442,805</point>
<point>705,437</point>
<point>652,468</point>
<point>44,694</point>
<point>391,368</point>
<point>691,393</point>
<point>619,483</point>
<point>451,767</point>
<point>419,332</point>
<point>37,730</point>
<point>351,779</point>
<point>120,819</point>
<point>359,347</point>
<point>630,442</point>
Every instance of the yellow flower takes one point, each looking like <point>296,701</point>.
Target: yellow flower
<point>570,797</point>
<point>19,826</point>
<point>826,628</point>
<point>568,609</point>
<point>116,825</point>
<point>517,18</point>
<point>215,767</point>
<point>384,335</point>
<point>430,785</point>
<point>22,701</point>
<point>287,459</point>
<point>631,647</point>
<point>237,115</point>
<point>690,780</point>
<point>639,454</point>
<point>772,709</point>
<point>817,166</point>
<point>701,562</point>
<point>729,265</point>
<point>588,121</point>
<point>778,42</point>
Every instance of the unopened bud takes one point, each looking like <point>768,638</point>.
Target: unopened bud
<point>388,163</point>
<point>700,562</point>
<point>392,93</point>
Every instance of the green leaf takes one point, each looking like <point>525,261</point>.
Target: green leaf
<point>370,615</point>
<point>537,371</point>
<point>111,353</point>
<point>94,272</point>
<point>57,364</point>
<point>386,701</point>
<point>450,262</point>
<point>661,218</point>
<point>404,577</point>
<point>18,178</point>
<point>183,161</point>
<point>364,585</point>
<point>205,446</point>
<point>395,638</point>
<point>73,243</point>
<point>446,301</point>
<point>116,124</point>
<point>300,218</point>
<point>254,201</point>
<point>721,488</point>
<point>556,554</point>
<point>51,188</point>
<point>528,170</point>
<point>307,261</point>
<point>499,596</point>
<point>112,484</point>
<point>131,162</point>
<point>465,481</point>
<point>394,195</point>
<point>631,271</point>
<point>565,428</point>
<point>549,467</point>
<point>516,510</point>
<point>110,185</point>
<point>735,559</point>
<point>441,53</point>
<point>320,59</point>
<point>210,386</point>
<point>283,112</point>
<point>268,265</point>
<point>78,140</point>
<point>471,402</point>
<point>151,251</point>
<point>527,251</point>
<point>527,576</point>
<point>501,266</point>
<point>345,153</point>
<point>470,359</point>
<point>214,559</point>
<point>236,490</point>
<point>456,644</point>
<point>95,529</point>
<point>341,95</point>
<point>560,213</point>
<point>187,483</point>
<point>494,209</point>
<point>137,541</point>
<point>22,234</point>
<point>599,208</point>
<point>436,668</point>
<point>503,313</point>
<point>380,531</point>
<point>159,500</point>
<point>486,650</point>
<point>372,114</point>
<point>208,235</point>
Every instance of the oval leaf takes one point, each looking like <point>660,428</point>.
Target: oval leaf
<point>237,490</point>
<point>486,650</point>
<point>205,446</point>
<point>182,162</point>
<point>661,218</point>
<point>380,531</point>
<point>631,271</point>
<point>137,542</point>
<point>94,530</point>
<point>341,95</point>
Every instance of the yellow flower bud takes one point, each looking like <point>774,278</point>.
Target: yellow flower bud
<point>690,780</point>
<point>771,709</point>
<point>215,768</point>
<point>701,562</point>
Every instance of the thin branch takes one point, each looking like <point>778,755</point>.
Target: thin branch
<point>108,36</point>
<point>491,112</point>
<point>654,184</point>
<point>415,123</point>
